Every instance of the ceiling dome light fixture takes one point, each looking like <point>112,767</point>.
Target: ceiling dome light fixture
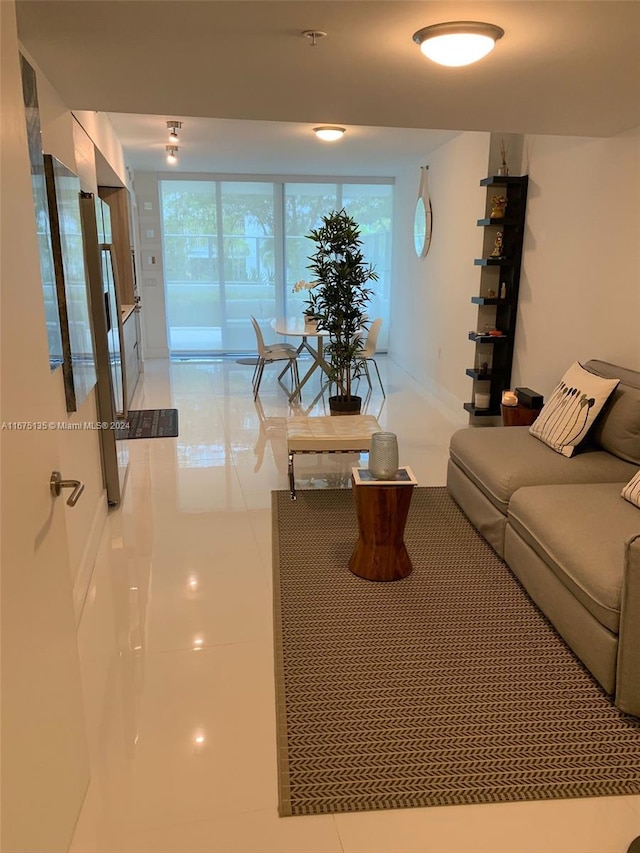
<point>173,127</point>
<point>172,152</point>
<point>458,42</point>
<point>329,132</point>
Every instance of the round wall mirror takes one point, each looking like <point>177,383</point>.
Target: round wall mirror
<point>422,227</point>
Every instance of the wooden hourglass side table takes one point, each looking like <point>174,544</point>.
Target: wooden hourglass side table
<point>382,507</point>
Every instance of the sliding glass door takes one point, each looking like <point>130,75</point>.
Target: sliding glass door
<point>248,275</point>
<point>235,249</point>
<point>304,207</point>
<point>190,243</point>
<point>371,205</point>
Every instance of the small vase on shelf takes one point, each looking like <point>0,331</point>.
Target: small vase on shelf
<point>503,169</point>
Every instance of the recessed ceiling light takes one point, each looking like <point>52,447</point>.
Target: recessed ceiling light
<point>329,133</point>
<point>458,42</point>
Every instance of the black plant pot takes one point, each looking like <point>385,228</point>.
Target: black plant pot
<point>341,405</point>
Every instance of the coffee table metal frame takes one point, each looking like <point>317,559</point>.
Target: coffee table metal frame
<point>327,434</point>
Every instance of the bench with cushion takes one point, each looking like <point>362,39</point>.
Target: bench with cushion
<point>328,434</point>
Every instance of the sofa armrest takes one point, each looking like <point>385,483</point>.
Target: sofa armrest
<point>628,671</point>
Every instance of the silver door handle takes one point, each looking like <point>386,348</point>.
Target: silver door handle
<point>57,484</point>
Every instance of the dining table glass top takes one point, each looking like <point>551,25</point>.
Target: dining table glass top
<point>296,326</point>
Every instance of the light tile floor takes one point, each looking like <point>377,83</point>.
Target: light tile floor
<point>176,644</point>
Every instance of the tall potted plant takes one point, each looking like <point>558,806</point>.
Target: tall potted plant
<point>339,300</point>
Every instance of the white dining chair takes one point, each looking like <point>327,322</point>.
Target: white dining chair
<point>270,353</point>
<point>368,352</point>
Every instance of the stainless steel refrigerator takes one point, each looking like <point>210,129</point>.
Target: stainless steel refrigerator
<point>107,327</point>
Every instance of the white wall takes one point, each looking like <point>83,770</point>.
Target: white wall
<point>431,310</point>
<point>100,129</point>
<point>580,284</point>
<point>154,310</point>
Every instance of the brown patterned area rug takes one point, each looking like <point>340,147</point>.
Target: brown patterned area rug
<point>446,687</point>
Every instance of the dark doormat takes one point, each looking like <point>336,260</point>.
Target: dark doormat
<point>150,423</point>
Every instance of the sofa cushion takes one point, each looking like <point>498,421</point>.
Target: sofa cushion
<point>617,428</point>
<point>499,460</point>
<point>581,532</point>
<point>570,412</point>
<point>631,491</point>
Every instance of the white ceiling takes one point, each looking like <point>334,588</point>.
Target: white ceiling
<point>271,147</point>
<point>249,87</point>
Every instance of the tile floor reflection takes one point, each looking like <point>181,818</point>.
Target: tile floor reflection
<point>176,643</point>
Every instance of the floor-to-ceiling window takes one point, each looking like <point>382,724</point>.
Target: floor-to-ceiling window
<point>235,249</point>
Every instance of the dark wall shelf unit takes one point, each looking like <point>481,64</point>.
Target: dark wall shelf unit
<point>478,374</point>
<point>493,262</point>
<point>473,410</point>
<point>499,288</point>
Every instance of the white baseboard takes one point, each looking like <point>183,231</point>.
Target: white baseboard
<point>447,403</point>
<point>83,577</point>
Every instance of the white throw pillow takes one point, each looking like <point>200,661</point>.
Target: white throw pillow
<point>631,491</point>
<point>572,408</point>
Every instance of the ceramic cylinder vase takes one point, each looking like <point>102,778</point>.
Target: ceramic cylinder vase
<point>383,455</point>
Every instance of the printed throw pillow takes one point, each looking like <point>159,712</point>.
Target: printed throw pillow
<point>569,413</point>
<point>631,491</point>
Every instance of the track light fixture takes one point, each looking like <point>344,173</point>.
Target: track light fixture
<point>458,42</point>
<point>172,154</point>
<point>173,127</point>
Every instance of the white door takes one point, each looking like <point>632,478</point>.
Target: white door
<point>45,768</point>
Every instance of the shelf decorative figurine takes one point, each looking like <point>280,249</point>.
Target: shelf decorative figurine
<point>498,247</point>
<point>498,205</point>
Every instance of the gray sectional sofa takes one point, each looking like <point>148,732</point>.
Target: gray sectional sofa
<point>564,530</point>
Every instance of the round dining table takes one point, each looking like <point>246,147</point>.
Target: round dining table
<point>298,327</point>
